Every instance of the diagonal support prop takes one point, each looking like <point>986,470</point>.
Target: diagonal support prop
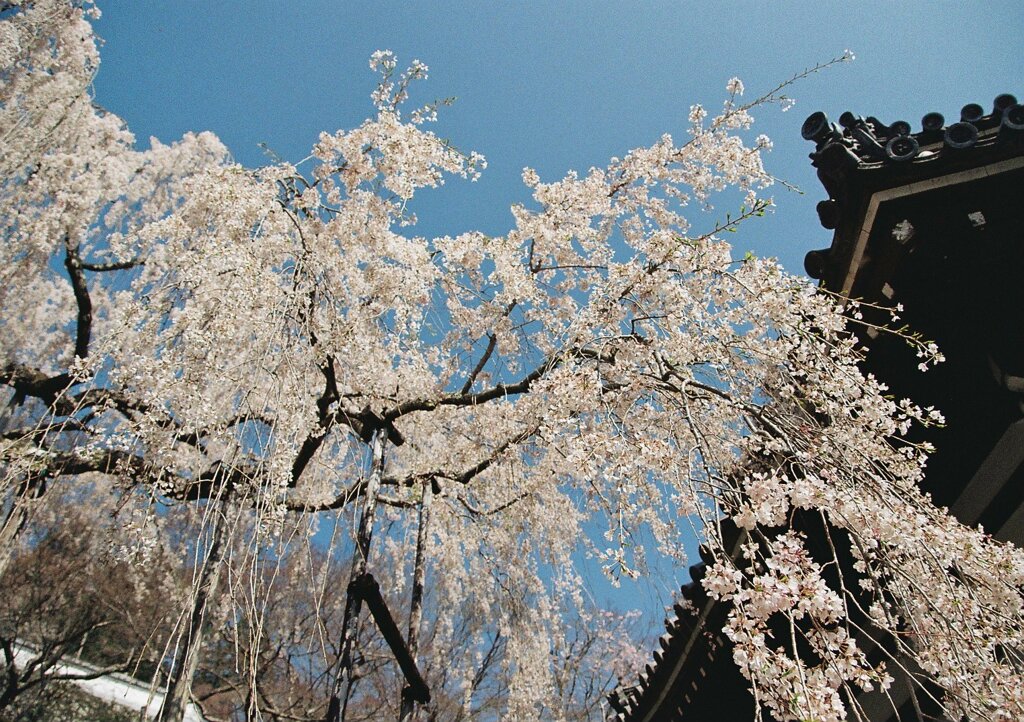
<point>366,588</point>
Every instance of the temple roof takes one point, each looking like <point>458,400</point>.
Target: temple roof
<point>861,160</point>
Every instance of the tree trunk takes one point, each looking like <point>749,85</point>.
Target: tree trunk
<point>408,711</point>
<point>353,603</point>
<point>179,685</point>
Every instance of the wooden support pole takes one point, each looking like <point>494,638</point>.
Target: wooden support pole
<point>353,602</point>
<point>408,709</point>
<point>179,687</point>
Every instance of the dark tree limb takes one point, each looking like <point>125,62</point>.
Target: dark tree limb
<point>367,588</point>
<point>501,390</point>
<point>113,266</point>
<point>83,329</point>
<point>492,341</point>
<point>495,392</point>
<point>29,382</point>
<point>341,500</point>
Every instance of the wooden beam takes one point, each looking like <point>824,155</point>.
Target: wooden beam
<point>992,475</point>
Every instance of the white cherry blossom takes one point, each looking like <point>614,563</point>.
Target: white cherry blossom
<point>603,373</point>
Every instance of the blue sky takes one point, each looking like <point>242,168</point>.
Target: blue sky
<point>551,85</point>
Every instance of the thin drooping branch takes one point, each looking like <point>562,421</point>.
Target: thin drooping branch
<point>17,517</point>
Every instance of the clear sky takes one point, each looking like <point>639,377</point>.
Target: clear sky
<point>551,85</point>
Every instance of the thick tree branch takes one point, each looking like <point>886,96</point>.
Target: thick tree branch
<point>469,473</point>
<point>310,446</point>
<point>194,438</point>
<point>114,266</point>
<point>83,329</point>
<point>218,481</point>
<point>362,423</point>
<point>495,392</point>
<point>475,511</point>
<point>341,500</point>
<point>500,390</point>
<point>30,382</point>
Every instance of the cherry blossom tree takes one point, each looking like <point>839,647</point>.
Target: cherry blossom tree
<point>472,413</point>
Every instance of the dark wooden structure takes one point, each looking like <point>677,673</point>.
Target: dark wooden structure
<point>932,221</point>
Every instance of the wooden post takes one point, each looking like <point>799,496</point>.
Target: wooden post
<point>353,602</point>
<point>179,686</point>
<point>408,710</point>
